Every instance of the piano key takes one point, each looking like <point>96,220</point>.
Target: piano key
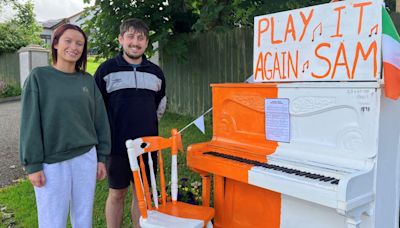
<point>326,179</point>
<point>312,176</point>
<point>336,181</point>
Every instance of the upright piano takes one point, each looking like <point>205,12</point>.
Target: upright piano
<point>340,167</point>
<point>316,145</point>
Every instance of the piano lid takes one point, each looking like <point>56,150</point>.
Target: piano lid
<point>329,122</point>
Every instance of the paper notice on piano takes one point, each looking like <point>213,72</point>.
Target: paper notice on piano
<point>277,121</point>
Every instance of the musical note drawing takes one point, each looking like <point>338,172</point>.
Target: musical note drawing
<point>375,27</point>
<point>320,30</point>
<point>306,65</point>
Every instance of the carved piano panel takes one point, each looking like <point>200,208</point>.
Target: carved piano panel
<point>238,116</point>
<point>336,154</point>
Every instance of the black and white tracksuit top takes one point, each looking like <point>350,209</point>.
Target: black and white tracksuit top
<point>134,97</point>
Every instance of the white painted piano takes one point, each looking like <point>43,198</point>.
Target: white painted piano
<point>348,132</point>
<point>316,145</point>
<point>340,168</point>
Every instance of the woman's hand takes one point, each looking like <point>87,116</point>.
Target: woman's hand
<point>101,171</point>
<point>37,179</point>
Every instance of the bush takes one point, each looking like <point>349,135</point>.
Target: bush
<point>9,90</point>
<point>189,192</point>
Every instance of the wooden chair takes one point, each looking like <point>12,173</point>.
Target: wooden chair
<point>168,214</point>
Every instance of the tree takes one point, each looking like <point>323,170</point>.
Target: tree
<point>25,20</point>
<point>21,30</point>
<point>5,2</point>
<point>173,22</point>
<point>165,20</point>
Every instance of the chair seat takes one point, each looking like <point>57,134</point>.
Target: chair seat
<point>157,219</point>
<point>185,210</point>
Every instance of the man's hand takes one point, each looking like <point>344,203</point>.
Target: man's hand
<point>37,179</point>
<point>101,171</point>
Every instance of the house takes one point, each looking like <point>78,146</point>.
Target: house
<point>51,25</point>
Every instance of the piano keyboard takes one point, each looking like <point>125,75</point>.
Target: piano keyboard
<point>291,171</point>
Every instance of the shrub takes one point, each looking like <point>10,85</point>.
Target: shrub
<point>189,192</point>
<point>9,90</point>
<point>3,86</point>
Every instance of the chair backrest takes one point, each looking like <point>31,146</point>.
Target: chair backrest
<point>136,148</point>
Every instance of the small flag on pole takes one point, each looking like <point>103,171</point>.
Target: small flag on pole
<point>391,56</point>
<point>199,122</point>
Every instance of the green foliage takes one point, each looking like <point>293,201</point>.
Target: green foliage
<point>11,91</point>
<point>10,38</point>
<point>227,14</point>
<point>5,2</point>
<point>165,21</point>
<point>189,192</point>
<point>8,90</point>
<point>169,21</point>
<point>390,5</point>
<point>21,30</point>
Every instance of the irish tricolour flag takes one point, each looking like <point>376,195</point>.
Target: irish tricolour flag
<point>391,56</point>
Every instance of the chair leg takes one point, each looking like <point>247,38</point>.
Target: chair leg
<point>209,225</point>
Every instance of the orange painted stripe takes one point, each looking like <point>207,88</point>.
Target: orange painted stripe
<point>239,130</point>
<point>248,206</point>
<point>221,166</point>
<point>139,193</point>
<point>392,80</point>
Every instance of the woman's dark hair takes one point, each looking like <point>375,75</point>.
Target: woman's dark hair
<point>80,65</point>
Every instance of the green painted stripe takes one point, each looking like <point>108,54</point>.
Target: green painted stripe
<point>388,27</point>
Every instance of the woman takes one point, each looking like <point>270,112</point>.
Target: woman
<point>65,135</point>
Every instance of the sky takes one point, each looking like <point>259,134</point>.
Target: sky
<point>50,9</point>
<point>56,9</point>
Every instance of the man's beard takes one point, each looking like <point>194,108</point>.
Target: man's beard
<point>135,57</point>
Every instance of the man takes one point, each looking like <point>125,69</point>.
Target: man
<point>133,89</point>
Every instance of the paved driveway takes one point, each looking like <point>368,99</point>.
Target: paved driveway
<point>10,168</point>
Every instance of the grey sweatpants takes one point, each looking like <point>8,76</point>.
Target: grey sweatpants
<point>69,186</point>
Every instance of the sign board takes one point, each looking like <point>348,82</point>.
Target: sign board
<point>338,41</point>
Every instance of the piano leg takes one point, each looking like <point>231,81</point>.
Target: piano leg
<point>353,222</point>
<point>219,188</point>
<point>206,186</point>
<point>353,217</point>
<point>206,182</point>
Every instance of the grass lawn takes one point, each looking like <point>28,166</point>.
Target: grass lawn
<point>92,65</point>
<point>18,200</point>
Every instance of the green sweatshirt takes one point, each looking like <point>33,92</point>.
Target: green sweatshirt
<point>63,116</point>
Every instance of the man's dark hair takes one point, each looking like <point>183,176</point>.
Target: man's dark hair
<point>137,24</point>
